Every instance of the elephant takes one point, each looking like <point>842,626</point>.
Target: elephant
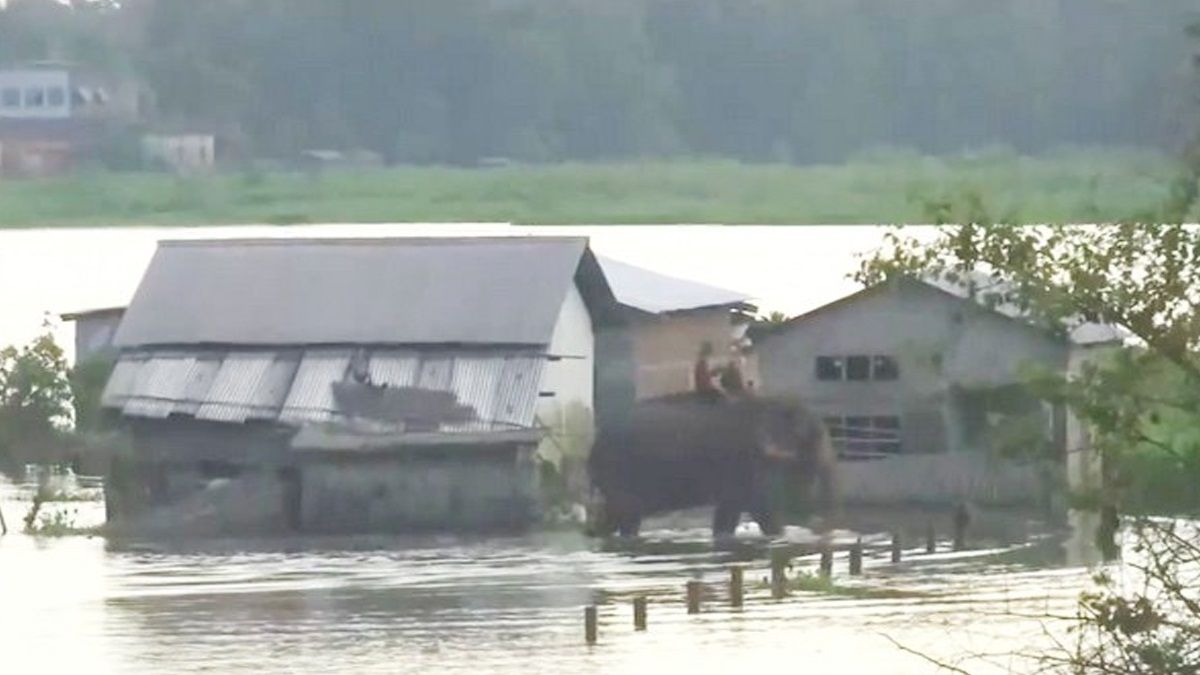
<point>682,451</point>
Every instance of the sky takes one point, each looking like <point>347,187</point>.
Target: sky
<point>44,273</point>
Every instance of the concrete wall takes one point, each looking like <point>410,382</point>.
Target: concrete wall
<point>941,480</point>
<point>453,489</point>
<point>227,479</point>
<point>937,340</point>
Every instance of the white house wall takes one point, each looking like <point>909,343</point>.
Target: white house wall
<point>567,384</point>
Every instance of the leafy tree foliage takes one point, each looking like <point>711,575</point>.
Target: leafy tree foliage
<point>35,395</point>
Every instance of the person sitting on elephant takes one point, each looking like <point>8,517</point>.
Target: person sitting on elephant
<point>704,376</point>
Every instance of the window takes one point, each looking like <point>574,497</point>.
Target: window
<point>857,368</point>
<point>884,368</point>
<point>56,97</point>
<point>35,97</point>
<point>11,97</point>
<point>830,368</point>
<point>861,437</point>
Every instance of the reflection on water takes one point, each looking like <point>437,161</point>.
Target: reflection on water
<point>508,605</point>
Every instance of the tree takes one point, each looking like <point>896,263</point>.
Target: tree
<point>35,396</point>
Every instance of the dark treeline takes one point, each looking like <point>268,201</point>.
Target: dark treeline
<point>792,80</point>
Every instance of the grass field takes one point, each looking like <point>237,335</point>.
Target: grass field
<point>1078,186</point>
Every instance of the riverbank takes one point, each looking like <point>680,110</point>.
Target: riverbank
<point>1079,186</point>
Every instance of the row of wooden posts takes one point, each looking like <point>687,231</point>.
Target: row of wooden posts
<point>779,564</point>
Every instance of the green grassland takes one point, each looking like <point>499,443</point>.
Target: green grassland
<point>879,187</point>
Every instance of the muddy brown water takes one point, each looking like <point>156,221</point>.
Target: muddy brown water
<point>514,605</point>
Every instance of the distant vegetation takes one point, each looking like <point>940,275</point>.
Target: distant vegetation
<point>802,81</point>
<point>883,187</point>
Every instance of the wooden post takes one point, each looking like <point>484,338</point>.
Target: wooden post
<point>693,597</point>
<point>896,547</point>
<point>3,525</point>
<point>930,539</point>
<point>778,575</point>
<point>589,624</point>
<point>856,558</point>
<point>735,586</point>
<point>639,613</point>
<point>826,561</point>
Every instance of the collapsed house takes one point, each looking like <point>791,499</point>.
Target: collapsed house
<point>349,385</point>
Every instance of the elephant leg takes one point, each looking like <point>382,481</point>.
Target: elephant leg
<point>629,524</point>
<point>767,521</point>
<point>725,519</point>
<point>763,512</point>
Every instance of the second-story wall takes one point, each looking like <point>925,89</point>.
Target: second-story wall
<point>35,94</point>
<point>921,346</point>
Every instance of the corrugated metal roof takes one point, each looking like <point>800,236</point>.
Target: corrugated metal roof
<point>311,396</point>
<point>653,292</point>
<point>294,388</point>
<point>121,382</point>
<point>160,385</point>
<point>505,290</point>
<point>249,385</point>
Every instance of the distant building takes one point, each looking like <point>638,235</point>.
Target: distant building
<point>670,319</point>
<point>94,332</point>
<point>182,153</point>
<point>354,385</point>
<point>54,113</point>
<point>922,386</point>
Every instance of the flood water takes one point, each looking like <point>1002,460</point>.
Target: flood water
<point>514,605</point>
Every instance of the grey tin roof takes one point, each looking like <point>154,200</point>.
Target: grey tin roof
<point>500,290</point>
<point>295,388</point>
<point>656,293</point>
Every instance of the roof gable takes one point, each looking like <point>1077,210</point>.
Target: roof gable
<point>1082,334</point>
<point>656,293</point>
<point>505,290</point>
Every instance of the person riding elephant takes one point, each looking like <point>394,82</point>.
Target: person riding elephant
<point>704,376</point>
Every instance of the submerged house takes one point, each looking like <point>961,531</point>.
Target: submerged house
<point>922,384</point>
<point>342,385</point>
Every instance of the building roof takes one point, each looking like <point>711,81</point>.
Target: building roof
<point>92,313</point>
<point>656,293</point>
<point>499,290</point>
<point>1083,334</point>
<point>494,389</point>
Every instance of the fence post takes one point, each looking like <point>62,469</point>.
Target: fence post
<point>693,597</point>
<point>639,613</point>
<point>826,561</point>
<point>896,547</point>
<point>735,586</point>
<point>930,539</point>
<point>3,525</point>
<point>856,558</point>
<point>589,624</point>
